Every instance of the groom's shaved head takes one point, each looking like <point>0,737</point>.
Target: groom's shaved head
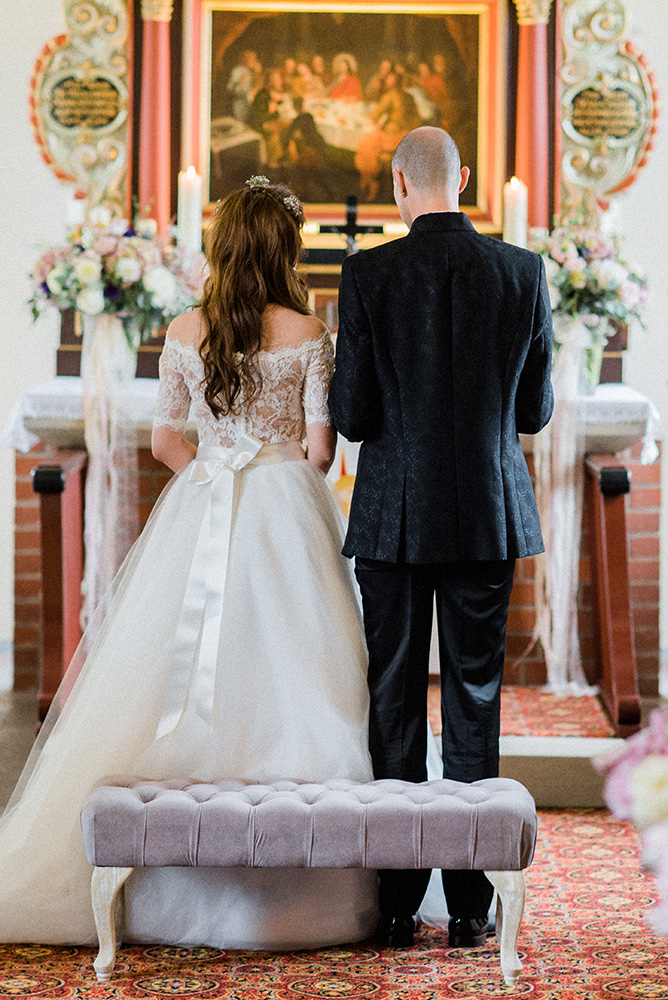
<point>428,157</point>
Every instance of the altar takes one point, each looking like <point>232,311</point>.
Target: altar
<point>611,419</point>
<point>616,426</point>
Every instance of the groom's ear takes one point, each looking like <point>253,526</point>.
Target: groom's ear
<point>399,182</point>
<point>464,175</point>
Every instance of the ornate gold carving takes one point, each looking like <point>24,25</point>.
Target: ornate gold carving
<point>533,11</point>
<point>609,106</point>
<point>157,10</point>
<point>79,100</point>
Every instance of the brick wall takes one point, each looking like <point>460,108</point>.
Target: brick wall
<point>643,522</point>
<point>153,476</point>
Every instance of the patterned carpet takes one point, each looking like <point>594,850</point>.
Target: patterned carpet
<point>584,938</point>
<point>532,711</point>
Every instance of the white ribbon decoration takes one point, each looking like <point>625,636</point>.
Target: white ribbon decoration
<point>192,669</point>
<point>107,366</point>
<point>558,459</point>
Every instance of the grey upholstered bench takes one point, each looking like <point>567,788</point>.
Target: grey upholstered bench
<point>488,825</point>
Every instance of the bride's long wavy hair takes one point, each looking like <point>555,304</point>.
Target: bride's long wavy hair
<point>252,247</point>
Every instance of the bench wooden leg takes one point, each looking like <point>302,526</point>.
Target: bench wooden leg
<point>105,884</point>
<point>511,890</point>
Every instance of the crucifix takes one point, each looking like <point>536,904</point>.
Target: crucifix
<point>351,230</point>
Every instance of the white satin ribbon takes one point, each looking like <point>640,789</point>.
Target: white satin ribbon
<point>192,669</point>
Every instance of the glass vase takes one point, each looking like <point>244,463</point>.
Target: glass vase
<point>591,367</point>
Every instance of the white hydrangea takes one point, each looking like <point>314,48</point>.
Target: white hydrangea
<point>551,268</point>
<point>117,227</point>
<point>608,274</point>
<point>90,300</point>
<point>99,216</point>
<point>54,279</point>
<point>161,285</point>
<point>629,293</point>
<point>148,228</point>
<point>88,268</point>
<point>128,269</point>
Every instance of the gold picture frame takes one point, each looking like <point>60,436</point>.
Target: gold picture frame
<point>298,90</point>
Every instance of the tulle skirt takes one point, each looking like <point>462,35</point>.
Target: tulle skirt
<point>286,697</point>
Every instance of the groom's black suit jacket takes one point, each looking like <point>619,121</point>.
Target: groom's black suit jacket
<point>443,355</point>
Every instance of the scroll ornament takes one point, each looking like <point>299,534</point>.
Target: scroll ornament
<point>79,101</point>
<point>610,107</point>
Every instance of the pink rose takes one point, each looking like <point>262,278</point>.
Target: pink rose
<point>105,245</point>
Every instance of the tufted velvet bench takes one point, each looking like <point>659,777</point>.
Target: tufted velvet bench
<point>488,825</point>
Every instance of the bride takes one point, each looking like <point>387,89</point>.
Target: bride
<point>233,645</point>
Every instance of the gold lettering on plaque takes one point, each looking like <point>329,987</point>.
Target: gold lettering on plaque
<point>89,103</point>
<point>611,113</point>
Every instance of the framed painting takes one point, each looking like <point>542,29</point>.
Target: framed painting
<point>318,95</point>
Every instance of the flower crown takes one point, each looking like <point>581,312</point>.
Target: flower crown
<point>259,182</point>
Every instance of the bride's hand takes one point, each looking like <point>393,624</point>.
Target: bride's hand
<point>320,446</point>
<point>172,448</point>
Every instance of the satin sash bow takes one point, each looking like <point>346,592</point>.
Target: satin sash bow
<point>192,668</point>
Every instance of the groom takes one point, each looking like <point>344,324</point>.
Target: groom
<point>443,356</point>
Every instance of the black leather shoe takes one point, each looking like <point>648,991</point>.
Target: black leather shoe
<point>395,932</point>
<point>467,932</point>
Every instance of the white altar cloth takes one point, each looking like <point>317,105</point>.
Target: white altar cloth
<point>612,418</point>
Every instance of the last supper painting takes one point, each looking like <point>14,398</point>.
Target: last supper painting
<point>322,97</point>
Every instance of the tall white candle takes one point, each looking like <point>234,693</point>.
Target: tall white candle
<point>515,212</point>
<point>189,211</point>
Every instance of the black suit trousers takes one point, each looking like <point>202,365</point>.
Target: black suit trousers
<point>472,610</point>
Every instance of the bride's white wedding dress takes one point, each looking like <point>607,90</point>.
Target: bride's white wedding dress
<point>233,646</point>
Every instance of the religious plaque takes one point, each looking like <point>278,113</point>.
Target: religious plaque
<point>609,106</point>
<point>92,103</point>
<point>598,112</point>
<point>79,101</point>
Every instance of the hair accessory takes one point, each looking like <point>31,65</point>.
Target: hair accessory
<point>259,182</point>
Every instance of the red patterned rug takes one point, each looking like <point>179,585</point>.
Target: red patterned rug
<point>533,711</point>
<point>584,937</point>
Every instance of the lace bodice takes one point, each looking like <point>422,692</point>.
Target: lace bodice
<point>295,383</point>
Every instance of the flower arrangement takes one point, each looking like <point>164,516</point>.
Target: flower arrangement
<point>589,280</point>
<point>636,788</point>
<point>116,267</point>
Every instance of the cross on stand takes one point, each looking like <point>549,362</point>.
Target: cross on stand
<point>351,229</point>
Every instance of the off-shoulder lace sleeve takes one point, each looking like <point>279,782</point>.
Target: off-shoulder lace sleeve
<point>319,371</point>
<point>173,403</point>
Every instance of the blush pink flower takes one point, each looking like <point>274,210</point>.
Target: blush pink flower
<point>619,766</point>
<point>105,244</point>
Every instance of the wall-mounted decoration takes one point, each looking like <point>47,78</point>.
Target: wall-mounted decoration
<point>79,101</point>
<point>610,106</point>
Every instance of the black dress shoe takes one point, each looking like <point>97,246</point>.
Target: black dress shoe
<point>467,932</point>
<point>395,932</point>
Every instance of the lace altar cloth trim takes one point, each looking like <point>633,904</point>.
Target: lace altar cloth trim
<point>61,399</point>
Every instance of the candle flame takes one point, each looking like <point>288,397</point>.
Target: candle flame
<point>191,172</point>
